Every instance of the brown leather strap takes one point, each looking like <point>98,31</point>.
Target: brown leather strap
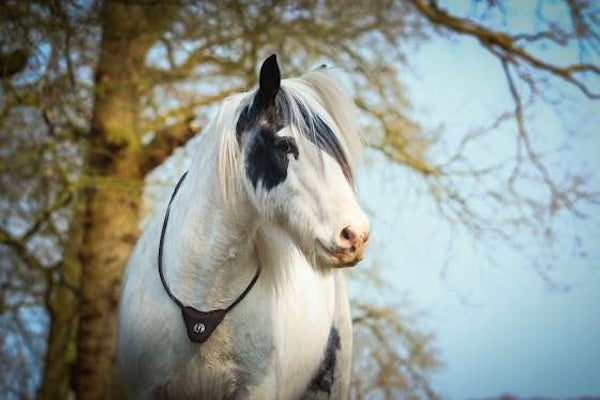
<point>199,324</point>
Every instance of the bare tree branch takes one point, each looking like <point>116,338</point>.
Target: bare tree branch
<point>505,45</point>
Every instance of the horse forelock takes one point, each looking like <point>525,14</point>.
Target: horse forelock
<point>319,111</point>
<point>324,113</point>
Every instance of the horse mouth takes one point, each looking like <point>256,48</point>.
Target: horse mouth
<point>337,257</point>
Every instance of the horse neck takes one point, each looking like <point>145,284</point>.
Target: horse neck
<point>209,260</point>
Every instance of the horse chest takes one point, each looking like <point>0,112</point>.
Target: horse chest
<point>271,347</point>
<point>302,322</point>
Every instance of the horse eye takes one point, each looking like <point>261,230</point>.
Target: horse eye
<point>287,145</point>
<point>284,146</point>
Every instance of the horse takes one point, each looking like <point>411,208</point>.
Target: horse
<point>256,235</point>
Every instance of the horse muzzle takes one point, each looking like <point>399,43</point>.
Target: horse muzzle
<point>346,254</point>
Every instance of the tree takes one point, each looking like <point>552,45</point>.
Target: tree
<point>107,90</point>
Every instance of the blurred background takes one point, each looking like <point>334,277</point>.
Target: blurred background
<point>480,178</point>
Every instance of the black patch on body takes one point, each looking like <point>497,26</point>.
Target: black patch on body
<point>325,376</point>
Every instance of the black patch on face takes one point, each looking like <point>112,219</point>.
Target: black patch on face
<point>263,154</point>
<point>325,376</point>
<point>267,160</point>
<point>267,155</point>
<point>272,118</point>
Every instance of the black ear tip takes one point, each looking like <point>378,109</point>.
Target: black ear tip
<point>270,64</point>
<point>270,76</point>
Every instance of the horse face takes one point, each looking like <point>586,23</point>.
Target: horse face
<point>302,183</point>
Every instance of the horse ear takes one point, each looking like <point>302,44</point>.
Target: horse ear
<point>269,81</point>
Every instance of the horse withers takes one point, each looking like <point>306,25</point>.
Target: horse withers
<point>235,289</point>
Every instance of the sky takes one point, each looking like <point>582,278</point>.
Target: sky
<point>500,327</point>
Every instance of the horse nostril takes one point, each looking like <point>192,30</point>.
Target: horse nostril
<point>348,234</point>
<point>352,240</point>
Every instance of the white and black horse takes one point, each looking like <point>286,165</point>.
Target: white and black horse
<point>234,290</point>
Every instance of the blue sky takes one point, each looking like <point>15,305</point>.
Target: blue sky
<point>500,327</point>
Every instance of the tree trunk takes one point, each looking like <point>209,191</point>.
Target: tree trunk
<point>110,230</point>
<point>62,304</point>
<point>112,202</point>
